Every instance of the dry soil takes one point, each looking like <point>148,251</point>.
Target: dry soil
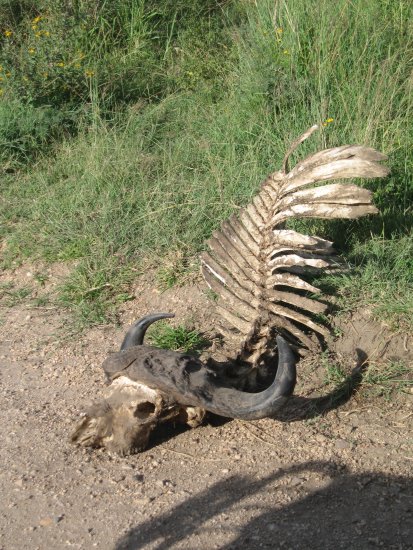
<point>328,473</point>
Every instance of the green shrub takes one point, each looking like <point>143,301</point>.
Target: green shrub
<point>25,130</point>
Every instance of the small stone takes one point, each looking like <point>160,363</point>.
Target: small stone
<point>161,482</point>
<point>342,444</point>
<point>58,519</point>
<point>225,471</point>
<point>46,522</point>
<point>127,467</point>
<point>118,478</point>
<point>143,501</point>
<point>295,481</point>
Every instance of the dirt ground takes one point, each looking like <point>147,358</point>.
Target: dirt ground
<point>328,473</point>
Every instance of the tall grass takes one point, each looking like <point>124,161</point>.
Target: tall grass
<point>156,170</point>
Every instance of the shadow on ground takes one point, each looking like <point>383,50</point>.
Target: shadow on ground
<point>348,511</point>
<point>304,408</point>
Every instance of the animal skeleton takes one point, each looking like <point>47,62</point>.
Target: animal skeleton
<point>252,264</point>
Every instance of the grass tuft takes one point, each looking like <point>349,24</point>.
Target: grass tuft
<point>179,338</point>
<point>387,379</point>
<point>381,279</point>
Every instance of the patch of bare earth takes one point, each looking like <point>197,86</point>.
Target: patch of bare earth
<point>330,473</point>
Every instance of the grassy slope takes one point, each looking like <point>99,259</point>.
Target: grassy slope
<point>154,170</point>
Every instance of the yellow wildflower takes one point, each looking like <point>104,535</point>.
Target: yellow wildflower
<point>279,30</point>
<point>286,52</point>
<point>8,74</point>
<point>1,91</point>
<point>60,64</point>
<point>45,75</point>
<point>34,27</point>
<point>8,33</point>
<point>38,35</point>
<point>328,121</point>
<point>31,51</point>
<point>37,19</point>
<point>89,73</point>
<point>46,33</point>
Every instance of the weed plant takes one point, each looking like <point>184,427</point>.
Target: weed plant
<point>159,119</point>
<point>179,338</point>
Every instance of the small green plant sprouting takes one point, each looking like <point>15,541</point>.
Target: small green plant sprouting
<point>334,374</point>
<point>211,295</point>
<point>40,278</point>
<point>175,271</point>
<point>14,296</point>
<point>167,277</point>
<point>387,378</point>
<point>379,379</point>
<point>179,338</point>
<point>41,301</point>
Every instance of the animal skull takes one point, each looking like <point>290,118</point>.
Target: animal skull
<point>129,412</point>
<point>150,386</point>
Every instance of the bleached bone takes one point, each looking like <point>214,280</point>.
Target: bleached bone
<point>253,260</point>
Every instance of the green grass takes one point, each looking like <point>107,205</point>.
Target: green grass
<point>177,270</point>
<point>190,106</point>
<point>179,338</point>
<point>382,280</point>
<point>387,379</point>
<point>380,378</point>
<point>11,296</point>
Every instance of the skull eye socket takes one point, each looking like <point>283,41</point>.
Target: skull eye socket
<point>144,409</point>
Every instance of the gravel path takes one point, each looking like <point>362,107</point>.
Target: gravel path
<point>341,479</point>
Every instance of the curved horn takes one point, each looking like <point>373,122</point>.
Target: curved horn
<point>190,383</point>
<point>252,406</point>
<point>136,333</point>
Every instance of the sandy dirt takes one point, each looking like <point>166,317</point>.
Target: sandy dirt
<point>332,472</point>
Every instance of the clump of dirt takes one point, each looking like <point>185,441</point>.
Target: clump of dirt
<point>335,452</point>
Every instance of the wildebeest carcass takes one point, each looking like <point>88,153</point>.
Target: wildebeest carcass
<point>255,265</point>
